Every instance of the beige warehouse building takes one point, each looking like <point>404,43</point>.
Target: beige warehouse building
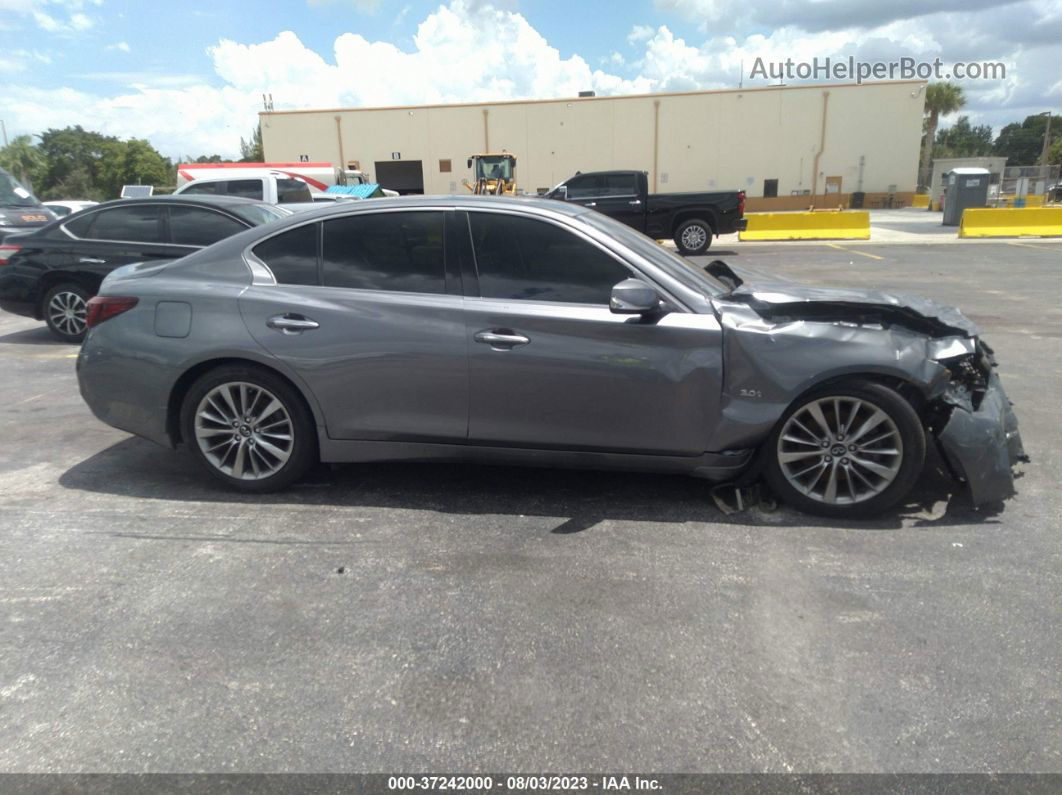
<point>786,146</point>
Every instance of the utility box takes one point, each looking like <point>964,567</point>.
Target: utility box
<point>965,187</point>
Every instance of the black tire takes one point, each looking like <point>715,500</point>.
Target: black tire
<point>906,424</point>
<point>63,308</point>
<point>302,451</point>
<point>693,237</point>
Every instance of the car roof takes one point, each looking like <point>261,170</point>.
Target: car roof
<point>609,171</point>
<point>207,199</point>
<point>434,202</point>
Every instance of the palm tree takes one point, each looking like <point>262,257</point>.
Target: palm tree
<point>942,99</point>
<point>21,158</point>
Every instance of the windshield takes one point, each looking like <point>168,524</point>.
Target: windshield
<point>494,167</point>
<point>686,271</point>
<point>12,194</point>
<point>259,214</point>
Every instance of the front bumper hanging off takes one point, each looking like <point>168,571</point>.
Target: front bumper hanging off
<point>982,445</point>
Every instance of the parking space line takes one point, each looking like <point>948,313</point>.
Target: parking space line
<point>1030,245</point>
<point>33,397</point>
<point>853,251</point>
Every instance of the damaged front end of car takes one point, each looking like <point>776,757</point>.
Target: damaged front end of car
<point>975,425</point>
<point>783,339</point>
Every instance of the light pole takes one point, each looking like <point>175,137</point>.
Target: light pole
<point>1047,138</point>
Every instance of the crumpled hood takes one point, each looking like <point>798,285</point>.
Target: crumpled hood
<point>777,298</point>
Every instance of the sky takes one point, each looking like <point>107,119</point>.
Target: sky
<point>189,75</point>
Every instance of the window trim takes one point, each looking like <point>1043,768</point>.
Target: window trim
<point>163,221</point>
<point>262,276</point>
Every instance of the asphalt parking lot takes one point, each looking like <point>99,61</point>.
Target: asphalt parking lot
<point>393,618</point>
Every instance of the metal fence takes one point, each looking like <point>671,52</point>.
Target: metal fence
<point>1026,185</point>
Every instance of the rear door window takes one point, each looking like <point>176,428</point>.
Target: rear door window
<point>291,255</point>
<point>292,190</point>
<point>247,188</point>
<point>195,226</point>
<point>137,223</point>
<point>400,251</point>
<point>621,184</point>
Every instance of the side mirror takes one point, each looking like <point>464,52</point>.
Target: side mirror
<point>470,162</point>
<point>560,193</point>
<point>633,297</point>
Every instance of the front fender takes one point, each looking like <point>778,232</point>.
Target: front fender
<point>767,366</point>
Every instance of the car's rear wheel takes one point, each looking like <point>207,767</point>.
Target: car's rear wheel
<point>248,428</point>
<point>851,449</point>
<point>64,308</point>
<point>693,237</point>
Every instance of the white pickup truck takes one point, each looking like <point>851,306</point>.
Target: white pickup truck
<point>276,183</point>
<point>272,188</point>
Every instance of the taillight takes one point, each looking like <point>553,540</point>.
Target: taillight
<point>741,202</point>
<point>104,307</point>
<point>7,252</point>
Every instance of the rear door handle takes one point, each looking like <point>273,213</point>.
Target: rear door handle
<point>500,339</point>
<point>635,203</point>
<point>292,324</point>
<point>91,260</point>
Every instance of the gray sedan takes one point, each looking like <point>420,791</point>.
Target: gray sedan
<point>527,331</point>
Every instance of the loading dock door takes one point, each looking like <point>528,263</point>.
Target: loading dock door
<point>404,176</point>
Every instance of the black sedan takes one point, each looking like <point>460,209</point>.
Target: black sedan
<point>51,273</point>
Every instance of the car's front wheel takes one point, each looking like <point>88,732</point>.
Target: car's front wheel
<point>248,428</point>
<point>851,449</point>
<point>65,307</point>
<point>693,237</point>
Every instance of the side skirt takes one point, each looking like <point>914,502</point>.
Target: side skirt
<point>719,467</point>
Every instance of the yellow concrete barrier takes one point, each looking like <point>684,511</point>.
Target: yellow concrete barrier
<point>834,225</point>
<point>1011,222</point>
<point>1009,199</point>
<point>920,200</point>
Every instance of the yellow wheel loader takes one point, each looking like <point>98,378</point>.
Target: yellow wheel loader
<point>494,174</point>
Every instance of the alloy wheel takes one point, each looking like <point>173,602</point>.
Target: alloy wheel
<point>244,431</point>
<point>840,450</point>
<point>693,237</point>
<point>66,312</point>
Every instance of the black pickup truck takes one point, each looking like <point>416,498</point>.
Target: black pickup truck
<point>690,219</point>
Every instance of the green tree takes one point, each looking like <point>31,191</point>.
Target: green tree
<point>964,140</point>
<point>251,151</point>
<point>22,159</point>
<point>83,164</point>
<point>942,99</point>
<point>1054,154</point>
<point>70,150</point>
<point>1022,143</point>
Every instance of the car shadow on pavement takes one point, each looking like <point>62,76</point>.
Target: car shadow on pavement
<point>579,498</point>
<point>34,336</point>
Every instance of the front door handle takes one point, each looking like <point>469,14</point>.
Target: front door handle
<point>590,204</point>
<point>292,324</point>
<point>91,260</point>
<point>500,339</point>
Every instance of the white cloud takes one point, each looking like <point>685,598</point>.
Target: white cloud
<point>364,6</point>
<point>55,16</point>
<point>473,50</point>
<point>122,46</point>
